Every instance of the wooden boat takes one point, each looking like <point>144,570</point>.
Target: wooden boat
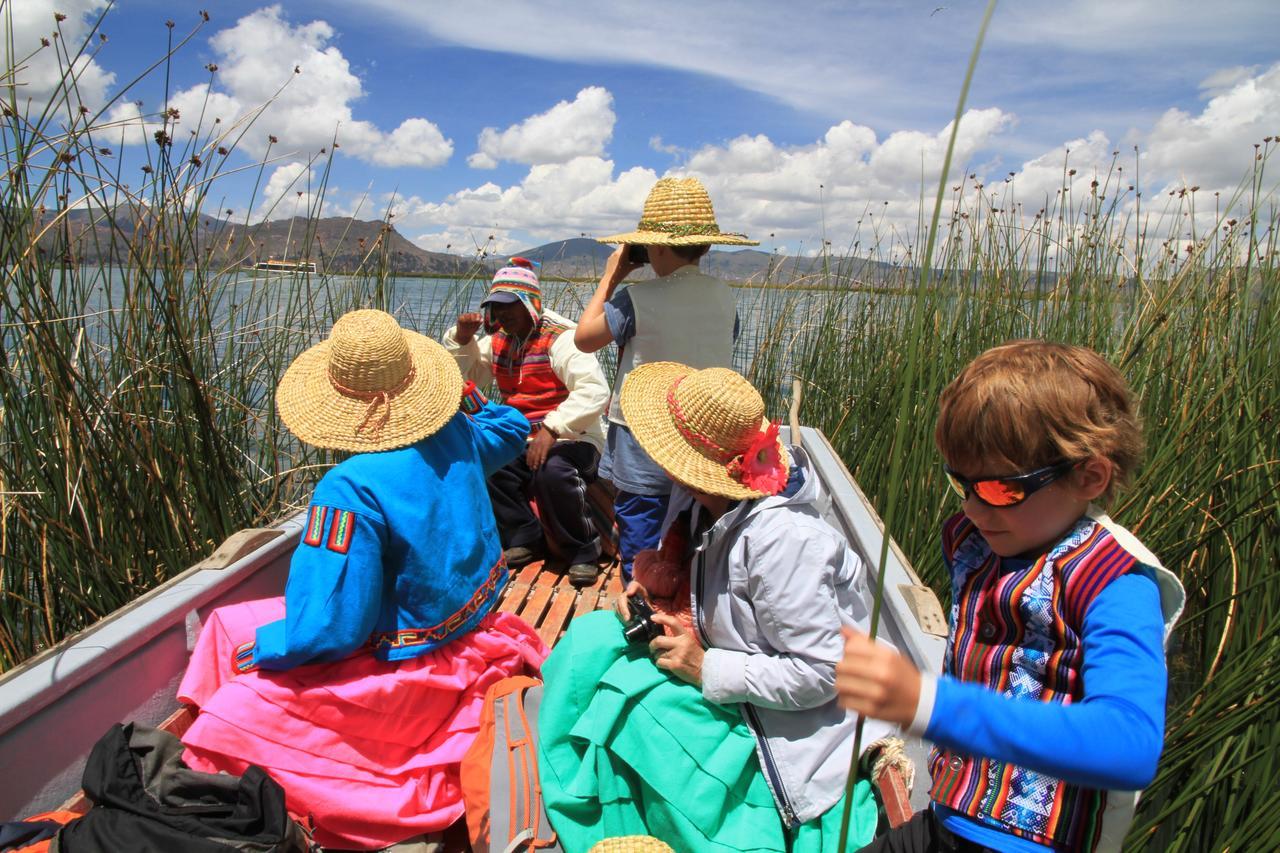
<point>127,666</point>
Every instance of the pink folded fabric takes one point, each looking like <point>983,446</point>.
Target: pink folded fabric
<point>370,749</point>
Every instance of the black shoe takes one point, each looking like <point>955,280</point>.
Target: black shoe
<point>519,556</point>
<point>583,574</point>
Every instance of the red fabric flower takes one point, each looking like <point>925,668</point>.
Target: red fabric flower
<point>760,467</point>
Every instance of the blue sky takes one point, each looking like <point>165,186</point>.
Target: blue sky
<point>535,121</point>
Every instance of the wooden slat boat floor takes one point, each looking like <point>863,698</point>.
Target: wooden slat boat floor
<point>541,594</point>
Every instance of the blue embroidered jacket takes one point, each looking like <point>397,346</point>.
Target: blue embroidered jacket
<point>400,550</point>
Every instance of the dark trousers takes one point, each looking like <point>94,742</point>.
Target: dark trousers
<point>559,488</point>
<point>924,833</point>
<point>639,519</point>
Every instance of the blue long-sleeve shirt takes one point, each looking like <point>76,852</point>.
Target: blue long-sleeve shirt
<point>1109,740</point>
<point>400,547</point>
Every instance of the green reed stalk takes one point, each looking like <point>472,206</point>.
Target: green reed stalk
<point>905,403</point>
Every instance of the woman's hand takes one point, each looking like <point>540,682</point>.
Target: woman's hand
<point>620,603</point>
<point>876,681</point>
<point>678,652</point>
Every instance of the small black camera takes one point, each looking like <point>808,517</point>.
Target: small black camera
<point>640,629</point>
<point>637,253</point>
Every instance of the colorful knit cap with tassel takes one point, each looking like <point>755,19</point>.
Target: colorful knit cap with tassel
<point>519,279</point>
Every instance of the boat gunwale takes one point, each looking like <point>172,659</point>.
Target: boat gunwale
<point>45,678</point>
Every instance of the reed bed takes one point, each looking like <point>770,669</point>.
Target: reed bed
<point>138,427</point>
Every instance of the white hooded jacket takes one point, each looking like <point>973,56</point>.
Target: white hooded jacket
<point>772,584</point>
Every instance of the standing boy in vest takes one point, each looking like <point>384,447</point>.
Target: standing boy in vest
<point>1049,713</point>
<point>682,316</point>
<point>530,352</point>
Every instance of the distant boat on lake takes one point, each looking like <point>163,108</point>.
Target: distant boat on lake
<point>272,265</point>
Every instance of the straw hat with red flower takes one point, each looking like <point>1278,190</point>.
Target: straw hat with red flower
<point>706,428</point>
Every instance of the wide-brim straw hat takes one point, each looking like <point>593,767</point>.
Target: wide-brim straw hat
<point>678,213</point>
<point>697,424</point>
<point>371,386</point>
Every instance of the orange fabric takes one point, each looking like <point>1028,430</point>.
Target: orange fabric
<point>60,816</point>
<point>477,775</point>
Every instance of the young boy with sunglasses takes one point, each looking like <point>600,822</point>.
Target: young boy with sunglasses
<point>1049,712</point>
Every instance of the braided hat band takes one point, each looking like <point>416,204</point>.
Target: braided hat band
<point>678,212</point>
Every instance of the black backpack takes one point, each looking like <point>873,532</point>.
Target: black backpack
<point>146,799</point>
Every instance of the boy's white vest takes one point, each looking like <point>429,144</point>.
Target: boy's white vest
<point>1121,805</point>
<point>686,317</point>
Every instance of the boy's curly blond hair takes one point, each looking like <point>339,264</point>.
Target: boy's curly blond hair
<point>1028,404</point>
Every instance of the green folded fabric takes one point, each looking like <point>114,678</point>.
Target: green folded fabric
<point>626,748</point>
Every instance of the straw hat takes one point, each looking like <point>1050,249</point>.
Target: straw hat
<point>631,844</point>
<point>678,213</point>
<point>370,386</point>
<point>706,428</point>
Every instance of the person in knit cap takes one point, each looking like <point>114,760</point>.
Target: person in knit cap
<point>681,315</point>
<point>360,689</point>
<point>529,351</point>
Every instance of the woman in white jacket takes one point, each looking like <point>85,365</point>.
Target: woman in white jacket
<point>724,735</point>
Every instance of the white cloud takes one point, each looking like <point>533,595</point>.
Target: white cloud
<point>42,70</point>
<point>554,200</point>
<point>255,80</point>
<point>1226,79</point>
<point>570,129</point>
<point>656,143</point>
<point>857,186</point>
<point>288,192</point>
<point>1134,26</point>
<point>887,64</point>
<point>478,243</point>
<point>757,45</point>
<point>756,185</point>
<point>1214,148</point>
<point>789,191</point>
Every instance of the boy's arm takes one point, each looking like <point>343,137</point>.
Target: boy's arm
<point>1109,740</point>
<point>588,394</point>
<point>593,333</point>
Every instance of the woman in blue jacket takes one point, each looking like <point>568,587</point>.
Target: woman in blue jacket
<point>360,690</point>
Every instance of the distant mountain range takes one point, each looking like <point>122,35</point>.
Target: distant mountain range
<point>346,245</point>
<point>582,257</point>
<point>337,244</point>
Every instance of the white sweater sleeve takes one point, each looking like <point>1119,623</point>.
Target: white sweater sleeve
<point>581,374</point>
<point>475,358</point>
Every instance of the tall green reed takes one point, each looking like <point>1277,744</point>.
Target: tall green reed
<point>137,427</point>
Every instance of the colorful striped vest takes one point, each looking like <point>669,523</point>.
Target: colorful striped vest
<point>1018,633</point>
<point>524,375</point>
